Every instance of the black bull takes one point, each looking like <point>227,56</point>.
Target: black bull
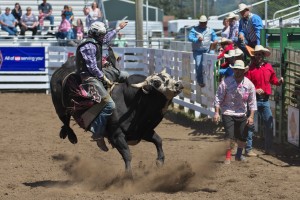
<point>139,109</point>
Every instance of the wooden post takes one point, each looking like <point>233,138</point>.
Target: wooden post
<point>139,23</point>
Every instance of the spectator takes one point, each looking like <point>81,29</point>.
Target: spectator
<point>233,95</point>
<point>29,22</point>
<point>8,22</point>
<point>64,29</point>
<point>230,57</point>
<point>201,37</point>
<point>226,29</point>
<point>249,28</point>
<point>69,13</point>
<point>225,46</point>
<point>233,27</point>
<point>86,11</point>
<point>79,29</point>
<point>262,75</point>
<point>95,13</point>
<point>45,13</point>
<point>17,13</point>
<point>120,41</point>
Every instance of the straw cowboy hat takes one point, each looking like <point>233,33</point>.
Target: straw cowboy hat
<point>232,15</point>
<point>233,53</point>
<point>238,64</point>
<point>203,18</point>
<point>260,48</point>
<point>225,41</point>
<point>243,6</point>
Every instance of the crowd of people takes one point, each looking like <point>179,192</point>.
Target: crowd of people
<point>245,79</point>
<point>16,22</point>
<point>245,84</point>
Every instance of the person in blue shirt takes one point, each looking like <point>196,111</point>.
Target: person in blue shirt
<point>201,37</point>
<point>249,28</point>
<point>8,22</point>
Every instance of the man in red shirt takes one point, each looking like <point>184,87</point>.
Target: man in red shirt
<point>262,76</point>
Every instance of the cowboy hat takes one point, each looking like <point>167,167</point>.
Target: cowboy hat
<point>233,53</point>
<point>260,48</point>
<point>225,41</point>
<point>243,6</point>
<point>238,64</point>
<point>203,18</point>
<point>232,15</point>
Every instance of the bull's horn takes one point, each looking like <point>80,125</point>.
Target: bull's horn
<point>164,70</point>
<point>139,85</point>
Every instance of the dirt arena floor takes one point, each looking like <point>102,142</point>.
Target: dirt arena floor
<point>36,164</point>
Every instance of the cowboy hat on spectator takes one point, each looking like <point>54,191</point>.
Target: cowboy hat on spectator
<point>233,53</point>
<point>203,18</point>
<point>232,15</point>
<point>243,6</point>
<point>225,41</point>
<point>260,48</point>
<point>238,64</point>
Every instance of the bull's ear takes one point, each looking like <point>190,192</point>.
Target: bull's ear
<point>139,85</point>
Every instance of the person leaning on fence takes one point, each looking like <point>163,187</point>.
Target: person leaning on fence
<point>201,37</point>
<point>249,28</point>
<point>45,13</point>
<point>89,67</point>
<point>8,22</point>
<point>262,74</point>
<point>226,28</point>
<point>29,22</point>
<point>232,97</point>
<point>233,27</point>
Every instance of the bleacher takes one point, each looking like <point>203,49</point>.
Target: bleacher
<point>57,7</point>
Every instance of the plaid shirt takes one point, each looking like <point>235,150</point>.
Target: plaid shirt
<point>232,98</point>
<point>88,52</point>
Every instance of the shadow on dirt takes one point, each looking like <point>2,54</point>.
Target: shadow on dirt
<point>48,184</point>
<point>285,152</point>
<point>201,127</point>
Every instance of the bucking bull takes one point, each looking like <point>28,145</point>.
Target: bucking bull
<point>141,103</point>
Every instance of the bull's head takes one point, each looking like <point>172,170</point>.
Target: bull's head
<point>163,83</point>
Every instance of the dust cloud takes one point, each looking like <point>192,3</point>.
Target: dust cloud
<point>188,176</point>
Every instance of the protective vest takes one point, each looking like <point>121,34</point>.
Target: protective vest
<point>205,44</point>
<point>80,62</point>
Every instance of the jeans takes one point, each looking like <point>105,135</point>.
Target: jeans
<point>98,125</point>
<point>198,57</point>
<point>51,19</point>
<point>63,35</point>
<point>251,130</point>
<point>10,30</point>
<point>265,113</point>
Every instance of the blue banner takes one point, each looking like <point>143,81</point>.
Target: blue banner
<point>22,59</point>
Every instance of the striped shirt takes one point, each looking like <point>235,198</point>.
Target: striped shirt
<point>232,97</point>
<point>251,27</point>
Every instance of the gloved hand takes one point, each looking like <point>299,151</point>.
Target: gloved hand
<point>107,81</point>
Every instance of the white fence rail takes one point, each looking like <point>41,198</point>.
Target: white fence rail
<point>136,61</point>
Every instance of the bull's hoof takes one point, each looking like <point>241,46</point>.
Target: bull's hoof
<point>63,132</point>
<point>72,137</point>
<point>159,163</point>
